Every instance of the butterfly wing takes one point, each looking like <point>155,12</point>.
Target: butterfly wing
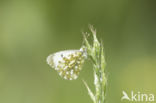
<point>67,63</point>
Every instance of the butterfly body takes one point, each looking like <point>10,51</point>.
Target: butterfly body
<point>67,63</point>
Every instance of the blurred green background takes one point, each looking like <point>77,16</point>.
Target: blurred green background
<point>31,30</point>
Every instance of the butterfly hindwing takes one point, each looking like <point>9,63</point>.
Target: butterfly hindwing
<point>67,63</point>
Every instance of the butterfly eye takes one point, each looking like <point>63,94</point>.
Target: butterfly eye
<point>68,64</point>
<point>62,55</point>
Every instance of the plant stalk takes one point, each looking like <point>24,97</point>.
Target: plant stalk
<point>95,53</point>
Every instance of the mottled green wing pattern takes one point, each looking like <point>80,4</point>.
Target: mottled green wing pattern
<point>68,63</point>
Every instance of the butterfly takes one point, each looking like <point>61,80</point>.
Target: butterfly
<point>68,63</point>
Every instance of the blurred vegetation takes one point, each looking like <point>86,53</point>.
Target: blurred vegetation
<point>30,30</point>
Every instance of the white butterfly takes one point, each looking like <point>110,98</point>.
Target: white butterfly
<point>68,63</point>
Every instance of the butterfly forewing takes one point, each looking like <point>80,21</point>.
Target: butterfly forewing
<point>67,63</point>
